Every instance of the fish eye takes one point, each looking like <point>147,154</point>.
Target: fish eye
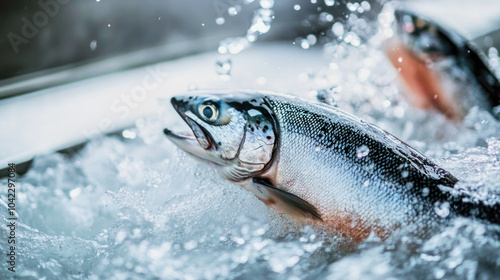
<point>208,111</point>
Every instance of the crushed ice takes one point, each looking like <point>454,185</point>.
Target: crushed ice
<point>132,206</point>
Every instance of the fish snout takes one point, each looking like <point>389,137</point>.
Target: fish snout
<point>180,103</point>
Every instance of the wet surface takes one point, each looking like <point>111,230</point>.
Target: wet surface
<point>133,206</point>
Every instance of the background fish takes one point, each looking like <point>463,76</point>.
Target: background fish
<point>441,68</point>
<point>320,165</point>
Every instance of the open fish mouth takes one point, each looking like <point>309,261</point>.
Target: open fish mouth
<point>197,142</point>
<point>197,133</point>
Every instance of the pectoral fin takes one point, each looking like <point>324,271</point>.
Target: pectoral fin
<point>286,202</point>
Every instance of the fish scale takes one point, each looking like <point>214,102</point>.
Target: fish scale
<point>337,178</point>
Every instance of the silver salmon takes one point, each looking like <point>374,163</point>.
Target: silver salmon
<point>318,164</point>
<point>440,68</point>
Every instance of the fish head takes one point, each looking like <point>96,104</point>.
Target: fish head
<point>235,132</point>
<point>424,39</point>
<point>427,57</point>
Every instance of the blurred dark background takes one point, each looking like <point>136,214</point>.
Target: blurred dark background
<point>55,35</point>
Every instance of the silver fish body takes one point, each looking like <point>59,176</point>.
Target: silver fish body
<point>332,169</point>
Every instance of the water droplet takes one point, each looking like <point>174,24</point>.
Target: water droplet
<point>129,134</point>
<point>405,173</point>
<point>352,6</point>
<point>439,273</point>
<point>311,39</point>
<point>329,3</point>
<point>190,245</point>
<point>366,5</point>
<point>304,44</point>
<point>109,25</point>
<point>220,20</point>
<point>233,45</point>
<point>314,1</point>
<point>75,192</point>
<point>261,21</point>
<point>93,45</point>
<point>296,7</point>
<point>400,59</point>
<point>362,151</point>
<point>317,149</point>
<point>352,38</point>
<point>120,236</point>
<point>267,4</point>
<point>292,261</point>
<point>366,183</point>
<point>232,11</point>
<point>442,209</point>
<point>325,17</point>
<point>338,29</point>
<point>223,66</point>
<point>425,191</point>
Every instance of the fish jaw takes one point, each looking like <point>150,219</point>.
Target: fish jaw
<point>197,142</point>
<point>190,145</point>
<point>182,105</point>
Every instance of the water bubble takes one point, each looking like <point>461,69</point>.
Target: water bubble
<point>233,45</point>
<point>366,5</point>
<point>405,173</point>
<point>311,39</point>
<point>362,151</point>
<point>366,183</point>
<point>352,38</point>
<point>190,245</point>
<point>93,45</point>
<point>120,236</point>
<point>442,209</point>
<point>292,261</point>
<point>304,44</point>
<point>232,11</point>
<point>296,7</point>
<point>261,21</point>
<point>223,66</point>
<point>338,29</point>
<point>129,134</point>
<point>220,20</point>
<point>109,25</point>
<point>75,192</point>
<point>266,4</point>
<point>325,17</point>
<point>439,273</point>
<point>425,191</point>
<point>329,3</point>
<point>352,6</point>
